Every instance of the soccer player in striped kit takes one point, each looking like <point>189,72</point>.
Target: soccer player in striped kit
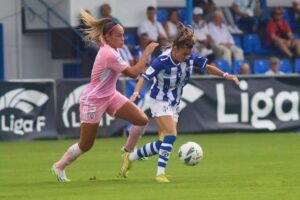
<point>100,95</point>
<point>171,71</point>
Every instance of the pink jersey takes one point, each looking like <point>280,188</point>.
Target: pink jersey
<point>107,68</point>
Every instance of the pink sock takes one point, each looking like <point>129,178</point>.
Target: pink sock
<point>135,133</point>
<point>70,155</point>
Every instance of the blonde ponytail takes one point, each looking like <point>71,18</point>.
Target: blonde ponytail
<point>94,27</point>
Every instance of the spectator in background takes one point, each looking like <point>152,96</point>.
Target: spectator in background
<point>246,13</point>
<point>209,8</point>
<point>171,25</point>
<point>105,11</point>
<point>274,66</point>
<point>245,69</point>
<point>296,10</point>
<point>279,34</point>
<point>140,48</point>
<point>224,46</point>
<point>203,40</point>
<point>152,27</point>
<point>126,55</point>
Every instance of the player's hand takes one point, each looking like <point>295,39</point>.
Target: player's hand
<point>233,78</point>
<point>135,96</point>
<point>150,48</point>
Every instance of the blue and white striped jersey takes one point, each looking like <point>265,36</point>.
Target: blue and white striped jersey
<point>170,77</point>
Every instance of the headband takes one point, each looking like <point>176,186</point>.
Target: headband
<point>111,29</point>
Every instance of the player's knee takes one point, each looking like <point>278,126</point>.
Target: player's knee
<point>86,146</point>
<point>142,121</point>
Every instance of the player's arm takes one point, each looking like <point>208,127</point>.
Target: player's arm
<point>216,71</point>
<point>202,63</point>
<point>151,72</point>
<point>140,66</point>
<point>138,87</point>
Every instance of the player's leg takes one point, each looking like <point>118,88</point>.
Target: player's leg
<point>122,108</point>
<point>90,116</point>
<point>168,126</point>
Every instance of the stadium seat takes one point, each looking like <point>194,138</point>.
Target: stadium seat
<point>130,39</point>
<point>287,15</point>
<point>260,66</point>
<point>236,66</point>
<point>247,41</point>
<point>285,66</point>
<point>263,4</point>
<point>223,65</point>
<point>182,14</point>
<point>297,65</point>
<point>258,48</point>
<point>237,40</point>
<point>162,14</point>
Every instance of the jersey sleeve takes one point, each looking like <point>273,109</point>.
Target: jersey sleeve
<point>199,61</point>
<point>116,63</point>
<point>153,69</point>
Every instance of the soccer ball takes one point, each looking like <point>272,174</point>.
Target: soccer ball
<point>190,153</point>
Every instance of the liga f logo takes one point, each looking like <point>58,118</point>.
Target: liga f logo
<point>72,99</point>
<point>25,100</point>
<point>22,99</point>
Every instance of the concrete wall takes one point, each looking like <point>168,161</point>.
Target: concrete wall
<point>25,55</point>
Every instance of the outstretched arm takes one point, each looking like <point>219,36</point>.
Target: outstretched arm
<point>140,66</point>
<point>216,71</point>
<point>137,89</point>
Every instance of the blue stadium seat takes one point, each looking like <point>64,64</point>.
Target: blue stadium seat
<point>162,15</point>
<point>130,39</point>
<point>182,14</point>
<point>297,65</point>
<point>258,48</point>
<point>237,40</point>
<point>260,66</point>
<point>248,41</point>
<point>263,4</point>
<point>236,66</point>
<point>285,66</point>
<point>252,44</point>
<point>287,15</point>
<point>223,65</point>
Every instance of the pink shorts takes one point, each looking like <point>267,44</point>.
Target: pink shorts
<point>91,111</point>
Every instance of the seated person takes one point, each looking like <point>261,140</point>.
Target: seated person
<point>105,11</point>
<point>296,11</point>
<point>246,13</point>
<point>126,55</point>
<point>204,41</point>
<point>171,25</point>
<point>274,66</point>
<point>224,46</point>
<point>209,8</point>
<point>151,26</point>
<point>279,34</point>
<point>245,69</point>
<point>139,49</point>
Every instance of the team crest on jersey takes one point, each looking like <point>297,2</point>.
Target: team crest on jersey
<point>150,70</point>
<point>92,115</point>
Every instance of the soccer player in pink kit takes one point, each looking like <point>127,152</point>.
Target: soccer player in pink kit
<point>100,95</point>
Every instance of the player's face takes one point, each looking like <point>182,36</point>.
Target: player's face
<point>181,54</point>
<point>116,38</point>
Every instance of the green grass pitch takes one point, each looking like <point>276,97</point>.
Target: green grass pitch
<point>264,166</point>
